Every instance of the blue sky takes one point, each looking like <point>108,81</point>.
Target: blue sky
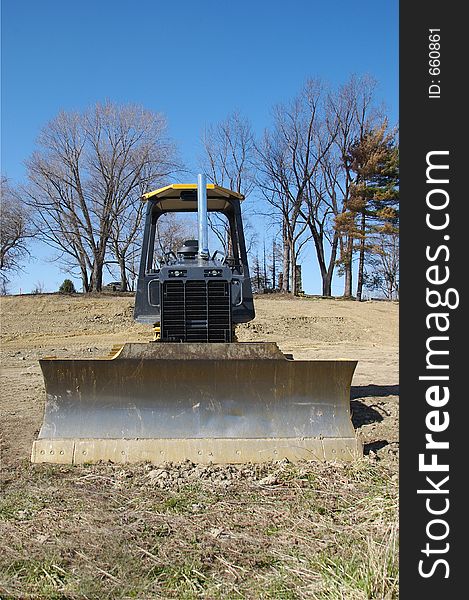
<point>193,61</point>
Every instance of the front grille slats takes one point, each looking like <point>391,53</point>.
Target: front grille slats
<point>196,311</point>
<point>219,313</point>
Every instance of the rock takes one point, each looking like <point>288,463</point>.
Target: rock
<point>155,473</point>
<point>158,475</point>
<point>269,480</point>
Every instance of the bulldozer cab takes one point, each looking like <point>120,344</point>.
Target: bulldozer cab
<point>218,280</point>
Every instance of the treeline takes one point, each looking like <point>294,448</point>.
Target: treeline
<point>324,175</point>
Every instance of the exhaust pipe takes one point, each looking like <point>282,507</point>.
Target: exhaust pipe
<point>202,217</point>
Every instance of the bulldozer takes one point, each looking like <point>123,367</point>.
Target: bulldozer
<point>195,393</point>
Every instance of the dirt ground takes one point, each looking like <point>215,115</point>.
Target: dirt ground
<point>182,531</point>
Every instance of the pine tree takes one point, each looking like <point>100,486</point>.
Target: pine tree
<point>373,207</point>
<point>67,287</point>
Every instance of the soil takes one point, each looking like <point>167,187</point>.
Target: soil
<point>77,326</point>
<point>185,531</point>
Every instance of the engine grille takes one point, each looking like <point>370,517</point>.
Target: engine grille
<point>196,311</point>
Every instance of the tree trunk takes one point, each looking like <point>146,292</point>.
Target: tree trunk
<point>318,243</point>
<point>298,280</point>
<point>327,271</point>
<point>348,268</point>
<point>327,284</point>
<point>96,282</point>
<point>327,278</point>
<point>361,259</point>
<point>286,267</point>
<point>123,270</point>
<point>229,243</point>
<point>274,259</point>
<point>293,269</point>
<point>84,279</point>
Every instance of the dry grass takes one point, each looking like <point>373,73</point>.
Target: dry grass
<point>273,531</point>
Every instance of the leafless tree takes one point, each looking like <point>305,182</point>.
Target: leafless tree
<point>290,156</point>
<point>39,288</point>
<point>382,273</point>
<point>171,232</point>
<point>126,233</point>
<point>229,153</point>
<point>15,232</point>
<point>321,205</point>
<point>228,160</point>
<point>85,179</point>
<point>273,267</point>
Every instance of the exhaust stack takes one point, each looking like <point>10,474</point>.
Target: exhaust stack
<point>202,217</point>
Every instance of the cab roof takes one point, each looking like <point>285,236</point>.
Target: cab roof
<point>174,191</point>
<point>183,197</point>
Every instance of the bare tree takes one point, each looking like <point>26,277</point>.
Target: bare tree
<point>15,232</point>
<point>85,179</point>
<point>228,160</point>
<point>171,232</point>
<point>125,241</point>
<point>126,233</point>
<point>257,279</point>
<point>289,157</point>
<point>383,263</point>
<point>229,153</point>
<point>274,262</point>
<point>39,288</point>
<point>320,208</point>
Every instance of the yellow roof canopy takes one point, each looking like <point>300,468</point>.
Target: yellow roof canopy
<point>214,192</point>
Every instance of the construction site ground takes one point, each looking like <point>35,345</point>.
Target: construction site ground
<point>311,530</point>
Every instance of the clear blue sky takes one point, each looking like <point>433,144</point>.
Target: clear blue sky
<point>193,61</point>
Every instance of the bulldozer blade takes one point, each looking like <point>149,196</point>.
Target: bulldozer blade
<point>215,402</point>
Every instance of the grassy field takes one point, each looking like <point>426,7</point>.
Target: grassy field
<point>272,531</point>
